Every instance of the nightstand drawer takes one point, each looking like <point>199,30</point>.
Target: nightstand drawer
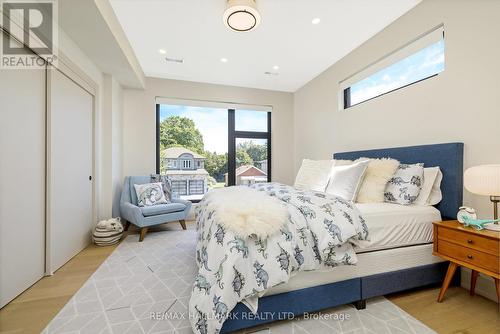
<point>469,240</point>
<point>474,257</point>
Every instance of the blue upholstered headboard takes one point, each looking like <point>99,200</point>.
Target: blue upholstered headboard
<point>449,157</point>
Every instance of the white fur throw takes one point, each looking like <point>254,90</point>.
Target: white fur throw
<point>377,175</point>
<point>245,211</point>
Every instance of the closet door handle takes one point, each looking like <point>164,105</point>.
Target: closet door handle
<point>90,177</point>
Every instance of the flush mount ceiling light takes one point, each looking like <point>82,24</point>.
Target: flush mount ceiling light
<point>316,20</point>
<point>241,15</point>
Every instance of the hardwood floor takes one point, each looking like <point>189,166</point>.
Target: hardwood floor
<point>459,313</point>
<point>32,311</point>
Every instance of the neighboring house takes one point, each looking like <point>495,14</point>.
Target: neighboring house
<point>248,174</point>
<point>186,170</point>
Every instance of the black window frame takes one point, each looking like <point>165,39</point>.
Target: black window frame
<point>347,91</point>
<point>232,136</point>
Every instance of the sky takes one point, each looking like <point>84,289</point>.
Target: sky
<point>212,123</point>
<point>420,65</point>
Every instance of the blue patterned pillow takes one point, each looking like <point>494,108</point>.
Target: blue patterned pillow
<point>405,184</point>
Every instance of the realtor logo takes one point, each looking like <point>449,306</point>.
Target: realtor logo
<point>31,37</point>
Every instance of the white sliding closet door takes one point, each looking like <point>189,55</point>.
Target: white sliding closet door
<point>22,180</point>
<point>70,162</point>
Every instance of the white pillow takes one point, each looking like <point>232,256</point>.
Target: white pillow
<point>340,162</point>
<point>313,175</point>
<point>149,194</point>
<point>377,175</point>
<point>431,182</point>
<point>346,180</point>
<point>436,196</point>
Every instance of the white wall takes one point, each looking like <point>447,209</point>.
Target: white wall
<point>111,150</point>
<point>461,104</point>
<point>117,150</point>
<point>139,154</point>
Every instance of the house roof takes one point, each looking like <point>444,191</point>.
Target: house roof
<point>249,170</point>
<point>175,152</point>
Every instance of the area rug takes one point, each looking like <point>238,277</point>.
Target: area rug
<point>140,281</point>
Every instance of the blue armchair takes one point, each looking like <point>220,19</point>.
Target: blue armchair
<point>144,217</point>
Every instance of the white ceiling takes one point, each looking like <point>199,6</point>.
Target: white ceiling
<point>193,30</point>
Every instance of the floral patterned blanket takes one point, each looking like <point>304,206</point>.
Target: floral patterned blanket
<point>232,269</point>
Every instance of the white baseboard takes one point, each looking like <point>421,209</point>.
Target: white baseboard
<point>485,285</point>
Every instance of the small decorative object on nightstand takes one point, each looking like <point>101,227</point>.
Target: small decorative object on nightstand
<point>465,211</point>
<point>485,180</point>
<point>470,248</point>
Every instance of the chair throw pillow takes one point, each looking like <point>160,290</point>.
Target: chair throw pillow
<point>404,186</point>
<point>166,184</point>
<point>150,194</point>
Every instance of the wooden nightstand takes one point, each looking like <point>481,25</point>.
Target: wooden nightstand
<point>467,247</point>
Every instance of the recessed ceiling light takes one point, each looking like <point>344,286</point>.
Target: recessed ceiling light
<point>162,51</point>
<point>276,67</point>
<point>241,15</point>
<point>223,60</point>
<point>316,20</point>
<point>174,60</point>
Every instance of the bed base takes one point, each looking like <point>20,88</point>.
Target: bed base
<point>356,290</point>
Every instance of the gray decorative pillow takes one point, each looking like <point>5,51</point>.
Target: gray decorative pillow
<point>149,194</point>
<point>405,184</point>
<point>166,184</point>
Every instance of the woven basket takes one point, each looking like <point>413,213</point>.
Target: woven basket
<point>108,232</point>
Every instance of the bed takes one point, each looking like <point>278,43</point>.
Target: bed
<point>393,261</point>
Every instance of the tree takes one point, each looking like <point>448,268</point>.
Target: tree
<point>242,158</point>
<point>180,131</point>
<point>255,151</point>
<point>216,165</point>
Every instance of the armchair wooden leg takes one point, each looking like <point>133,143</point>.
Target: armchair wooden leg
<point>127,225</point>
<point>144,230</point>
<point>183,223</point>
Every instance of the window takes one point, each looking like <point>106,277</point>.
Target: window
<point>196,187</point>
<point>179,187</point>
<point>251,161</point>
<point>421,59</point>
<point>214,146</point>
<point>186,164</point>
